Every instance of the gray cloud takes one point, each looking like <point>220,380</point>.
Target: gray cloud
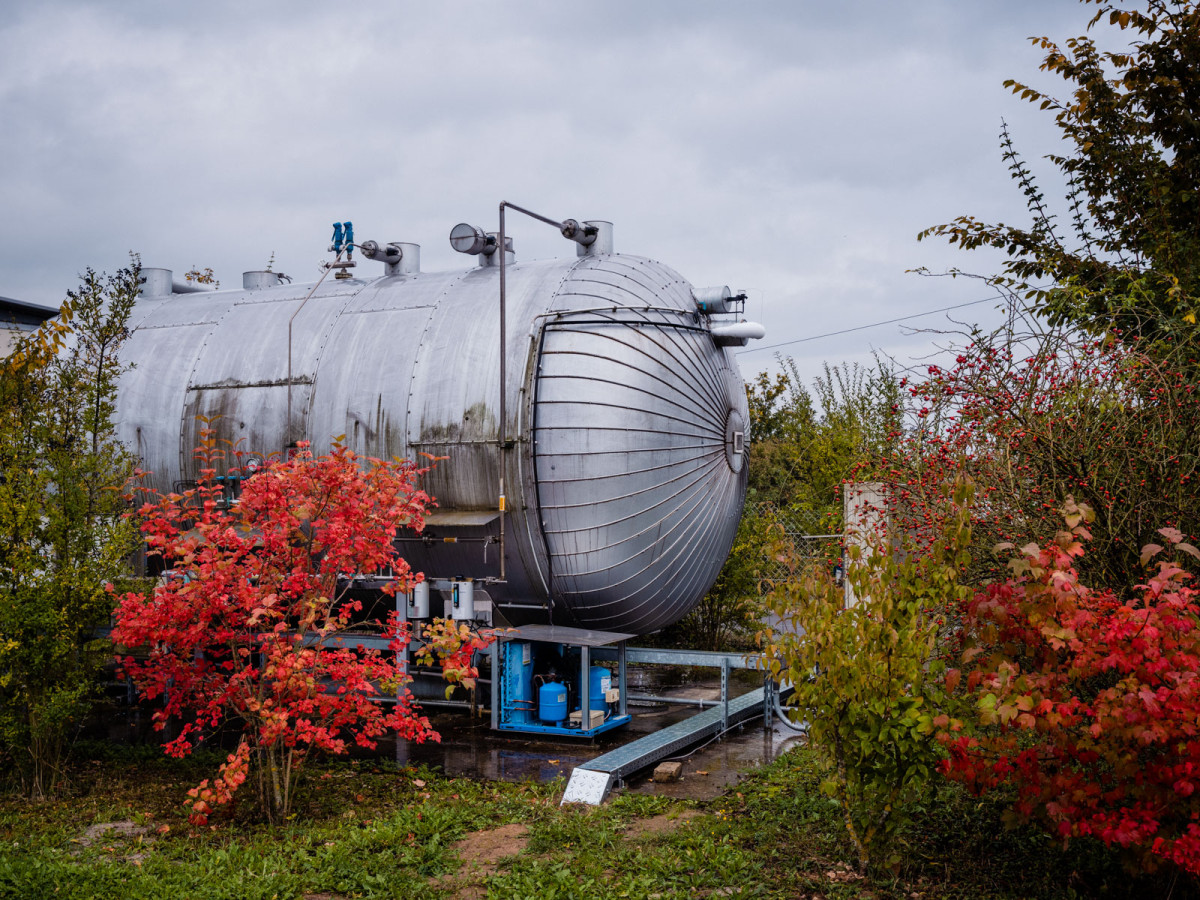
<point>794,148</point>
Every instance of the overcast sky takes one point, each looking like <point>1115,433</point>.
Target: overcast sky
<point>792,149</point>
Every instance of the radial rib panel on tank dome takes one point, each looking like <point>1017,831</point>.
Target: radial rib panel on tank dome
<point>638,486</point>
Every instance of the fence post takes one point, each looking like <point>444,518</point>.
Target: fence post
<point>724,694</point>
<point>866,514</point>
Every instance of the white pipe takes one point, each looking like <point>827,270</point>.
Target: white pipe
<point>740,330</point>
<point>190,287</point>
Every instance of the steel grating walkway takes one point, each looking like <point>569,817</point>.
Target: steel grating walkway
<point>646,751</point>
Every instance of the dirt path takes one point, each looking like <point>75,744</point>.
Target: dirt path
<point>479,854</point>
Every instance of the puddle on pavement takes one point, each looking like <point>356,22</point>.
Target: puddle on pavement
<point>469,748</point>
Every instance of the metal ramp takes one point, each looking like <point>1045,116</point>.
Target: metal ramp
<point>591,782</point>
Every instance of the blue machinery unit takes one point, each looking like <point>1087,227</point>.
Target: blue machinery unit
<point>545,681</point>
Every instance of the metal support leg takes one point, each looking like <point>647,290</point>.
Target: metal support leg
<point>724,694</point>
<point>768,703</point>
<point>585,684</point>
<point>497,684</point>
<point>402,653</point>
<point>402,668</point>
<point>622,680</point>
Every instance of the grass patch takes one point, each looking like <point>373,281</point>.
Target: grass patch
<point>368,828</point>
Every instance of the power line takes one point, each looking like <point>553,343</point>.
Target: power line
<point>817,337</point>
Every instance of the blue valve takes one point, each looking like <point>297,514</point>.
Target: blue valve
<point>349,226</point>
<point>337,238</point>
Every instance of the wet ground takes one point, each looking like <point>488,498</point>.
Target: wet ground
<point>469,747</point>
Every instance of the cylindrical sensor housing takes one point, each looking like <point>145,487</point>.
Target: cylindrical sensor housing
<point>155,282</point>
<point>462,600</point>
<point>256,281</point>
<point>710,300</point>
<point>418,600</point>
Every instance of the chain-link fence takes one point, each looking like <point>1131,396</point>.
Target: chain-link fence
<point>815,535</point>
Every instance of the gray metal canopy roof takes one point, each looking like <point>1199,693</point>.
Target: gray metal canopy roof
<point>20,312</point>
<point>561,634</point>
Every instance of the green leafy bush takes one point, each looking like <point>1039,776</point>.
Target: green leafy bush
<point>866,674</point>
<point>62,535</point>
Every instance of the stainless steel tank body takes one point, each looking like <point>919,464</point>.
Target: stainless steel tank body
<point>626,418</point>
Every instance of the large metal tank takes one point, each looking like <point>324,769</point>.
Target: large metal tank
<point>624,459</point>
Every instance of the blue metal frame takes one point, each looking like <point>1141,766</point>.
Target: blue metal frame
<point>606,725</point>
<point>513,700</point>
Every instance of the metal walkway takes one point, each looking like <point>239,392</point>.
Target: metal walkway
<point>650,749</point>
<point>591,782</point>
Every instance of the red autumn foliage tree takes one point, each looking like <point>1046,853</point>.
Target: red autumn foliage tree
<point>1087,701</point>
<point>247,629</point>
<point>1033,413</point>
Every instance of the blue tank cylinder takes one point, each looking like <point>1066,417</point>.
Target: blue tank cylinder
<point>599,684</point>
<point>552,702</point>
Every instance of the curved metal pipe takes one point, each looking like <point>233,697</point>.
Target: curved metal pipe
<point>799,728</point>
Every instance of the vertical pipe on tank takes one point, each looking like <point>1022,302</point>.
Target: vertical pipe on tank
<point>288,422</point>
<point>503,430</point>
<point>600,229</point>
<point>503,381</point>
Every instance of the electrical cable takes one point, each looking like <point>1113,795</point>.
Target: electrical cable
<point>715,737</point>
<point>781,714</point>
<point>817,337</point>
